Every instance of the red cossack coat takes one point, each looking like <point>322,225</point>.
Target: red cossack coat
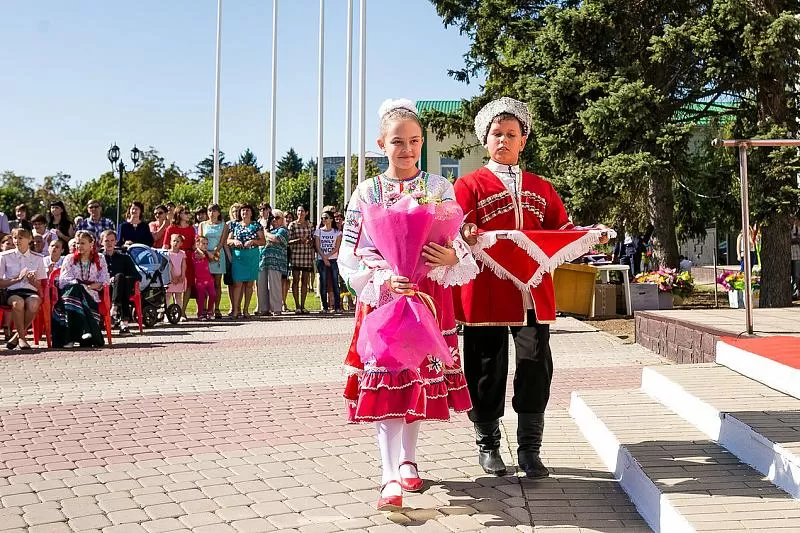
<point>488,300</point>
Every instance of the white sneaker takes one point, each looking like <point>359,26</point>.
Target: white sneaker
<point>86,336</point>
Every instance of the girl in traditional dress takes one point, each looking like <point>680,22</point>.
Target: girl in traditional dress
<point>76,315</point>
<point>398,400</point>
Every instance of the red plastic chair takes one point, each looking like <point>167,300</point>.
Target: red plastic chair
<point>41,322</point>
<point>53,286</point>
<point>104,307</point>
<point>136,299</point>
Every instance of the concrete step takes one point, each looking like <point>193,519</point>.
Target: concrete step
<point>760,425</point>
<point>773,361</point>
<point>678,478</point>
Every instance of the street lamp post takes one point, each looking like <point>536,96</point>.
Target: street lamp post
<point>113,157</point>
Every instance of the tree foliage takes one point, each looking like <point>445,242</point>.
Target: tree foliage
<point>605,81</point>
<point>248,158</point>
<point>205,168</point>
<point>15,190</point>
<point>292,191</point>
<point>765,59</point>
<point>617,89</point>
<point>289,166</point>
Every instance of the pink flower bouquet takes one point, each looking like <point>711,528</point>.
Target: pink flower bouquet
<point>404,332</point>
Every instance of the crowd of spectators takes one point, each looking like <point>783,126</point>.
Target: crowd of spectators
<point>255,252</point>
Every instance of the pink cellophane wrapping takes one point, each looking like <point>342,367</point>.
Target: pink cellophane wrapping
<point>403,333</point>
<point>448,218</point>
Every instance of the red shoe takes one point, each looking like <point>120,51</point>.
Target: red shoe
<point>411,484</point>
<point>390,503</point>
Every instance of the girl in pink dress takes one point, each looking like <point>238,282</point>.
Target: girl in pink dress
<point>177,270</point>
<point>398,400</point>
<point>203,280</point>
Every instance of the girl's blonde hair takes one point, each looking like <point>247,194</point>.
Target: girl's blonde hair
<point>398,115</point>
<point>397,110</point>
<point>83,234</point>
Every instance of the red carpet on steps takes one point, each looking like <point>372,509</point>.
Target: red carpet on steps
<point>784,350</point>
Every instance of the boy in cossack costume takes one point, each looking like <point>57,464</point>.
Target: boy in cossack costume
<point>500,196</point>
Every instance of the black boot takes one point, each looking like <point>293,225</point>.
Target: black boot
<point>529,438</point>
<point>487,437</point>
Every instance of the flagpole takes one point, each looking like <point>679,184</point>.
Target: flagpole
<point>215,188</point>
<point>362,91</point>
<point>320,107</point>
<point>272,178</point>
<point>348,108</point>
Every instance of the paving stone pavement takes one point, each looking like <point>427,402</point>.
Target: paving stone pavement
<point>239,427</point>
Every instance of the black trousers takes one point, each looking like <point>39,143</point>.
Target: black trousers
<point>486,368</point>
<point>121,292</point>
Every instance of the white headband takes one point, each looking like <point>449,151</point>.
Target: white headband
<point>390,105</point>
<point>484,118</point>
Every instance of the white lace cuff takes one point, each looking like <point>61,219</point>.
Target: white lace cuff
<point>459,274</point>
<point>371,294</point>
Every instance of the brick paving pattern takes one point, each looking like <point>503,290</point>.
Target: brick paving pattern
<point>225,427</point>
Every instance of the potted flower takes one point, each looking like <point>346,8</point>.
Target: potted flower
<point>734,282</point>
<point>682,287</point>
<point>669,285</point>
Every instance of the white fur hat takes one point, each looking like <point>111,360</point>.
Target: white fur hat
<point>389,105</point>
<point>484,118</point>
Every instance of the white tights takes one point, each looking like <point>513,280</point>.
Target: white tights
<point>398,443</point>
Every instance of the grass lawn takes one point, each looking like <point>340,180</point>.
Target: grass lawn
<point>312,303</point>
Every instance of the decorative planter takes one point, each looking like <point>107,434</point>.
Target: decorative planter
<point>664,300</point>
<point>645,296</point>
<point>736,299</point>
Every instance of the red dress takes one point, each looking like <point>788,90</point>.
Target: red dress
<point>187,246</point>
<point>432,390</point>
<point>426,393</point>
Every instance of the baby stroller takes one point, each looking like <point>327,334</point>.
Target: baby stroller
<point>153,268</point>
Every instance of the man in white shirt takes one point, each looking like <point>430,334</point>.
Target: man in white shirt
<point>21,274</point>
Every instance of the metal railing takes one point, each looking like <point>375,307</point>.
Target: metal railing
<point>743,145</point>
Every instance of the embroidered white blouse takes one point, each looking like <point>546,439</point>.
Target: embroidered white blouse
<point>75,272</point>
<point>360,264</point>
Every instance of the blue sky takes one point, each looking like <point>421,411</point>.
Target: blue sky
<point>79,75</point>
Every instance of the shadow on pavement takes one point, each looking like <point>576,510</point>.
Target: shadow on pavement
<point>571,497</point>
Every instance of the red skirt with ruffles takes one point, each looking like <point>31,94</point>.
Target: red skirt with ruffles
<point>425,393</point>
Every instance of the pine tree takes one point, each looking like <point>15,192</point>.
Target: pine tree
<point>248,158</point>
<point>205,168</point>
<point>289,166</point>
<point>605,81</point>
